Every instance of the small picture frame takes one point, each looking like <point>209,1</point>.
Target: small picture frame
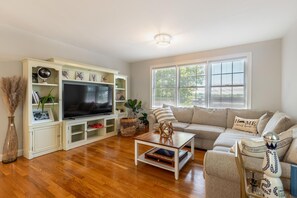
<point>41,117</point>
<point>79,75</point>
<point>65,74</point>
<point>93,77</point>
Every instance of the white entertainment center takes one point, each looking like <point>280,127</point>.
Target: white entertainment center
<point>42,136</point>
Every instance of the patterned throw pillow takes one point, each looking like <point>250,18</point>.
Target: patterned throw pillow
<point>164,114</point>
<point>256,147</point>
<point>248,125</point>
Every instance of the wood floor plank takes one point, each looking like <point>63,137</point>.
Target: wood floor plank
<point>101,169</point>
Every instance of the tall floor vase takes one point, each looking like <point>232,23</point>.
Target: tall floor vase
<point>10,147</point>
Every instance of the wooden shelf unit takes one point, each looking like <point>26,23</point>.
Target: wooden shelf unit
<point>46,137</point>
<point>78,132</point>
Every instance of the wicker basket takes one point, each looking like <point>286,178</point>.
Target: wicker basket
<point>128,126</point>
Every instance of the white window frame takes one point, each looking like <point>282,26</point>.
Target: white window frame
<point>248,74</point>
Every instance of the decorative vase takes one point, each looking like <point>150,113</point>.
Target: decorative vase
<point>10,147</point>
<point>271,184</point>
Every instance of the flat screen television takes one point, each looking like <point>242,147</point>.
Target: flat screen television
<point>86,99</point>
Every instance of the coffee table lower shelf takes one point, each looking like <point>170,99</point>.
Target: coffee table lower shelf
<point>182,163</point>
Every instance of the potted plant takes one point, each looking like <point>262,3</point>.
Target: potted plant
<point>46,99</point>
<point>144,121</point>
<point>129,124</point>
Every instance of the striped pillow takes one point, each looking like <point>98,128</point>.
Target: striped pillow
<point>164,114</point>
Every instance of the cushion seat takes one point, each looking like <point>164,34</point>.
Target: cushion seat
<point>179,126</point>
<point>205,131</point>
<point>230,136</point>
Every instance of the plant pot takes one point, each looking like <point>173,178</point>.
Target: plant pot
<point>128,126</point>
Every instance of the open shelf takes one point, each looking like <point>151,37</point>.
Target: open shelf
<point>86,81</point>
<point>45,84</point>
<point>46,104</point>
<point>182,163</point>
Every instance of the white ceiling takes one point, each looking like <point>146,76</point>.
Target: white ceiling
<point>125,28</point>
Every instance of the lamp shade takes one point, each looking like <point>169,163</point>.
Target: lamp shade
<point>163,40</point>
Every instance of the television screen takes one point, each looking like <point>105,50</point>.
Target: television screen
<point>86,99</point>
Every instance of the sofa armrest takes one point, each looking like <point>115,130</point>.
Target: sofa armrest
<point>221,165</point>
<point>152,120</point>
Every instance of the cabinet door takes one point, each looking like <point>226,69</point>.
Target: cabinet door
<point>46,138</point>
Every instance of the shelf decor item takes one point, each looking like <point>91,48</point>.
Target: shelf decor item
<point>46,99</point>
<point>166,130</point>
<point>271,184</point>
<point>79,75</point>
<point>65,74</point>
<point>13,89</point>
<point>44,73</point>
<point>93,77</point>
<point>41,116</point>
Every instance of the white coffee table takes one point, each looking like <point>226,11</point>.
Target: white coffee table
<point>179,141</point>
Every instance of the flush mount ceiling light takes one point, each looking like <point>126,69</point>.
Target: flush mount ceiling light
<point>163,40</point>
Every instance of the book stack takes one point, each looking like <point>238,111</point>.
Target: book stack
<point>164,156</point>
<point>35,97</point>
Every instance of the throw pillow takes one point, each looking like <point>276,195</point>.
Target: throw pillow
<point>256,147</point>
<point>278,123</point>
<point>263,120</point>
<point>164,114</point>
<point>291,156</point>
<point>248,125</point>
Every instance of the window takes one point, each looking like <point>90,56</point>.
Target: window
<point>212,83</point>
<point>227,84</point>
<point>192,82</point>
<point>164,86</point>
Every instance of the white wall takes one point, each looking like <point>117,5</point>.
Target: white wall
<point>16,45</point>
<point>289,72</point>
<point>266,72</point>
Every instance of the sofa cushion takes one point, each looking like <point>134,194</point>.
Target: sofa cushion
<point>182,114</point>
<point>263,120</point>
<point>243,124</point>
<point>164,114</point>
<point>278,123</point>
<point>214,117</point>
<point>221,148</point>
<point>230,136</point>
<point>244,113</point>
<point>205,131</point>
<point>256,147</point>
<point>179,126</point>
<point>291,155</point>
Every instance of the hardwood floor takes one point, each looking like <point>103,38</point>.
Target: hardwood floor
<point>102,169</point>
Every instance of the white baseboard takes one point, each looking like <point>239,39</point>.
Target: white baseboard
<point>20,153</point>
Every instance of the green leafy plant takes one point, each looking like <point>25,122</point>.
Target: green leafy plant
<point>46,99</point>
<point>134,106</point>
<point>143,119</point>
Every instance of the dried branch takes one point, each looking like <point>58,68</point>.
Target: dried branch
<point>14,90</point>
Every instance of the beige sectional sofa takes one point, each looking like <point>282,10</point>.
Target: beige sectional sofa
<point>213,129</point>
<point>209,125</point>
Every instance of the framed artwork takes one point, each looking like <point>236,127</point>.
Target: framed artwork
<point>79,75</point>
<point>93,77</point>
<point>65,74</point>
<point>40,117</point>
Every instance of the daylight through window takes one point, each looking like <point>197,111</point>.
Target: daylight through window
<point>217,84</point>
